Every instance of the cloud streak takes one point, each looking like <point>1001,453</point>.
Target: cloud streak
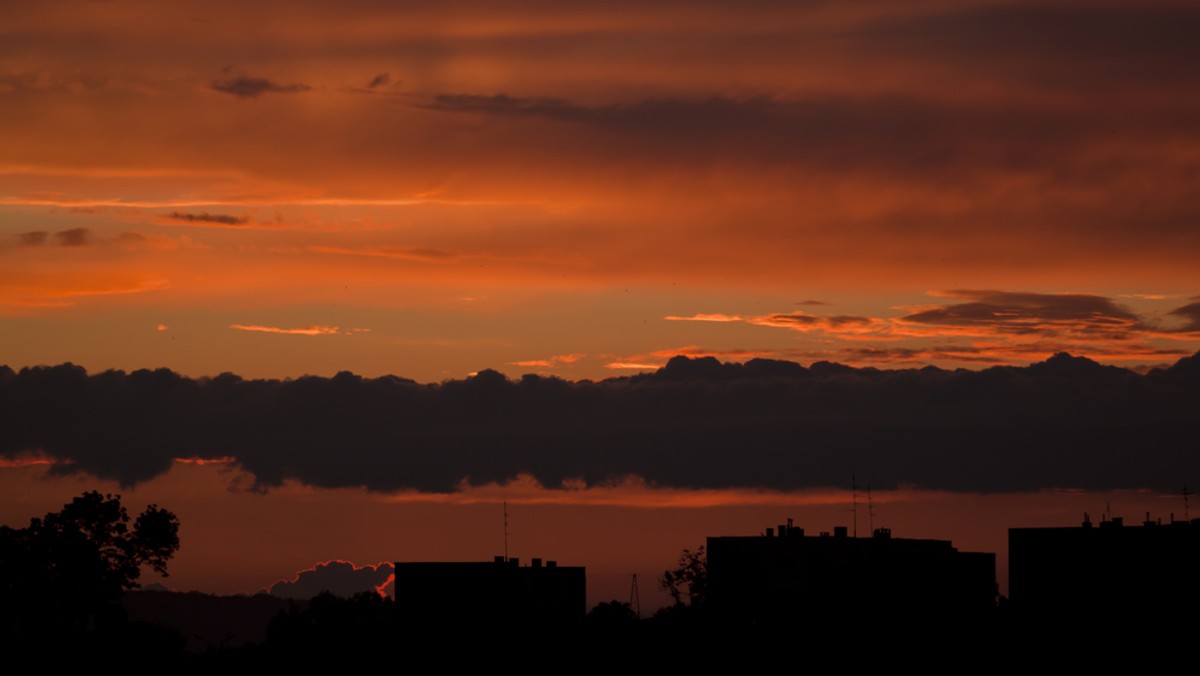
<point>557,360</point>
<point>702,317</point>
<point>410,253</point>
<point>37,238</point>
<point>204,218</point>
<point>251,87</point>
<point>314,330</point>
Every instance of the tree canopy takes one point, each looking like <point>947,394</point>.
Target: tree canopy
<point>690,577</point>
<point>69,568</point>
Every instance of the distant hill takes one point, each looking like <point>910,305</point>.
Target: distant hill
<point>206,620</point>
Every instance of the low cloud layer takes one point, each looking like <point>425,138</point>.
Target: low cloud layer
<point>695,423</point>
<point>340,578</point>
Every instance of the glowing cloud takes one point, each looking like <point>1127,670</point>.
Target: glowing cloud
<point>638,366</point>
<point>315,330</point>
<point>29,459</point>
<point>195,460</point>
<point>551,362</point>
<point>705,318</point>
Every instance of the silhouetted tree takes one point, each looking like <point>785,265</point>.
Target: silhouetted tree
<point>67,570</point>
<point>690,577</point>
<point>611,614</point>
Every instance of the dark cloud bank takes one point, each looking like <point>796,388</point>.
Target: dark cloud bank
<point>1066,422</point>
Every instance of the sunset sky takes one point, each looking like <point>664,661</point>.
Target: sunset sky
<point>584,190</point>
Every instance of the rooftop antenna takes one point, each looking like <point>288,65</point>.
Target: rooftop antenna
<point>870,510</point>
<point>635,603</point>
<point>506,530</point>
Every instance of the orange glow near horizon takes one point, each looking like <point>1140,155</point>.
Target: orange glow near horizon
<point>239,541</point>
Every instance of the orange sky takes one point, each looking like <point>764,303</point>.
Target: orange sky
<point>472,187</point>
<point>585,190</point>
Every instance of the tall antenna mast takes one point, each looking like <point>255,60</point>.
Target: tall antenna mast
<point>854,492</point>
<point>870,511</point>
<point>635,603</point>
<point>1186,493</point>
<point>506,531</point>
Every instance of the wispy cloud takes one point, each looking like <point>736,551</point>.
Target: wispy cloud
<point>983,326</point>
<point>550,362</point>
<point>836,324</point>
<point>36,238</point>
<point>29,459</point>
<point>115,287</point>
<point>71,238</point>
<point>633,366</point>
<point>716,317</point>
<point>196,460</point>
<point>1149,296</point>
<point>413,253</point>
<point>1190,315</point>
<point>989,313</point>
<point>206,219</point>
<point>315,330</point>
<point>249,87</point>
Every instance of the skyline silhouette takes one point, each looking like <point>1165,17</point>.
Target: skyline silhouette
<point>743,589</point>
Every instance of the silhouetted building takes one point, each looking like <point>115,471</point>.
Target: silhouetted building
<point>1104,568</point>
<point>787,577</point>
<point>500,591</point>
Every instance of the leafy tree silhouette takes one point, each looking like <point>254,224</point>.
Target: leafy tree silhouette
<point>67,570</point>
<point>612,615</point>
<point>690,578</point>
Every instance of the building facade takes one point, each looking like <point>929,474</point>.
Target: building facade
<point>784,574</point>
